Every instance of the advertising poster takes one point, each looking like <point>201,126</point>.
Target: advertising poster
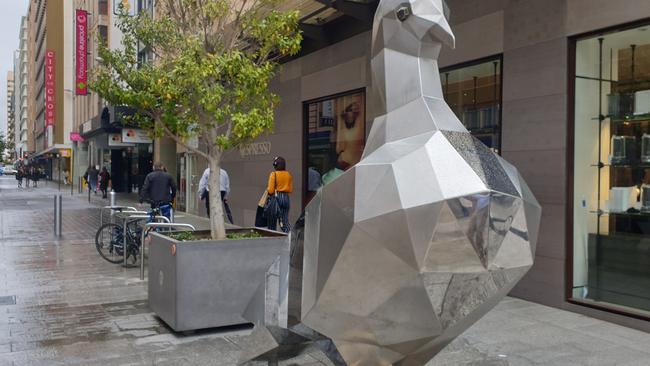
<point>336,136</point>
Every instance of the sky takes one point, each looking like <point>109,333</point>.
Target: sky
<point>10,15</point>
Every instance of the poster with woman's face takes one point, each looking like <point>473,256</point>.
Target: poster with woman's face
<point>336,137</point>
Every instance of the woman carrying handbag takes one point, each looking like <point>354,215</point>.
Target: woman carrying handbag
<point>278,204</point>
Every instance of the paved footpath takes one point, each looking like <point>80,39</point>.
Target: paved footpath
<point>61,304</point>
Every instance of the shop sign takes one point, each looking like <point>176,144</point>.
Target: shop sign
<point>135,136</point>
<point>50,92</point>
<point>76,136</point>
<point>255,149</point>
<point>82,52</point>
<point>115,139</point>
<point>65,153</point>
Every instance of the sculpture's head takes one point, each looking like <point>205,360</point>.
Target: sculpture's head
<point>426,20</point>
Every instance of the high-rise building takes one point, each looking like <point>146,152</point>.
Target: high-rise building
<point>50,83</point>
<point>8,130</point>
<point>20,94</point>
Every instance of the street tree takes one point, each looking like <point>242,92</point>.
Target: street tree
<point>208,80</point>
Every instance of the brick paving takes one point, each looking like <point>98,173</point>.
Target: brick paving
<point>61,304</point>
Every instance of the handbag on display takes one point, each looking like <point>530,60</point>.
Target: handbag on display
<point>272,208</point>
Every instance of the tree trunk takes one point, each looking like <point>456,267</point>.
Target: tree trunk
<point>217,223</point>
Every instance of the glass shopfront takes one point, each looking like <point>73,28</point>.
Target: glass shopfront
<point>473,91</point>
<point>611,171</point>
<point>335,135</point>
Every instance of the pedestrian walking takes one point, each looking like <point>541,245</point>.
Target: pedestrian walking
<point>279,186</point>
<point>104,181</point>
<point>224,188</point>
<point>91,176</point>
<point>159,189</point>
<point>20,172</point>
<point>65,176</point>
<point>26,175</point>
<point>34,175</point>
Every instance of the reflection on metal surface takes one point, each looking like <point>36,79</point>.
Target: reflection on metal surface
<point>420,239</point>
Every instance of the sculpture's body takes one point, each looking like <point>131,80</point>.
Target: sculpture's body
<point>420,239</point>
<point>430,230</point>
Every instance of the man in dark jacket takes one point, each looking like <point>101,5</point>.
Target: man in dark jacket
<point>158,188</point>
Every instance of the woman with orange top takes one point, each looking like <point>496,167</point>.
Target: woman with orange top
<point>280,185</point>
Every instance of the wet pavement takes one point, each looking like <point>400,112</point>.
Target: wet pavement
<point>62,304</point>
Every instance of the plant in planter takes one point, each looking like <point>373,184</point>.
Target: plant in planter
<point>199,70</point>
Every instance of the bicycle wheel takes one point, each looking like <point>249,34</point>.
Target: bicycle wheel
<point>109,242</point>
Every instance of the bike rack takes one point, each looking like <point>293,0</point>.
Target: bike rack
<point>114,208</point>
<point>156,225</point>
<point>135,216</point>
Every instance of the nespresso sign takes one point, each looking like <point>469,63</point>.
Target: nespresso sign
<point>50,88</point>
<point>81,71</point>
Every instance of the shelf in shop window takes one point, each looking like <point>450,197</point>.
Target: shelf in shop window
<point>638,166</point>
<point>621,213</point>
<point>483,131</point>
<point>632,119</point>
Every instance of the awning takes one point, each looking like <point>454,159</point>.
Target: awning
<point>53,148</point>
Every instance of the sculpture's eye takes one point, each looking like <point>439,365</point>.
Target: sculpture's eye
<point>403,11</point>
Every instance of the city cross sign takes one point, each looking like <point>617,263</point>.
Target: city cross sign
<point>50,91</point>
<point>81,71</point>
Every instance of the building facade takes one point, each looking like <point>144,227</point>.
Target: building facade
<point>21,97</point>
<point>558,88</point>
<point>105,139</point>
<point>50,84</point>
<point>9,129</point>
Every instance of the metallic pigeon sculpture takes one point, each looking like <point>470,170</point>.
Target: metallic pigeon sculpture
<point>430,230</point>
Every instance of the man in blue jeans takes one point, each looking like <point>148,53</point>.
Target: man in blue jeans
<point>159,188</point>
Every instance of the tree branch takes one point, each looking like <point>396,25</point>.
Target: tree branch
<point>176,139</point>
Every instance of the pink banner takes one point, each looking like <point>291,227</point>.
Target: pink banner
<point>82,53</point>
<point>50,91</point>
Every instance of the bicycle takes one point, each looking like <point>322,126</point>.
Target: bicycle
<point>109,239</point>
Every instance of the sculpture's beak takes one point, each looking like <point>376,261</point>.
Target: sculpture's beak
<point>442,31</point>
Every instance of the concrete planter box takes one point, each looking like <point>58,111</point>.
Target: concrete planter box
<point>207,283</point>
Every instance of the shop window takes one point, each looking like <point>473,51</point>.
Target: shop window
<point>103,33</point>
<point>103,7</point>
<point>611,170</point>
<point>473,92</point>
<point>335,137</point>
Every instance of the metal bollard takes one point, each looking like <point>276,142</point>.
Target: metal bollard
<point>81,185</point>
<point>58,201</point>
<point>112,197</point>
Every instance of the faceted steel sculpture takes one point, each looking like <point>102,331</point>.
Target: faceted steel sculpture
<point>430,230</point>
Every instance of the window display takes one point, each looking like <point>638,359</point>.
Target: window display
<point>473,92</point>
<point>336,136</point>
<point>611,178</point>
